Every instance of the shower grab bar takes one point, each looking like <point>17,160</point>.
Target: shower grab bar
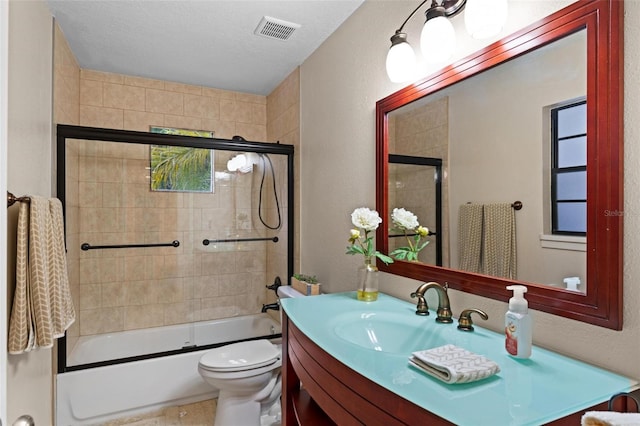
<point>87,246</point>
<point>235,240</point>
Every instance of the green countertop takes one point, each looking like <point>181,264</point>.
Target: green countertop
<point>543,388</point>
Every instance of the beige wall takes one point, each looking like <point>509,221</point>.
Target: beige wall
<point>340,84</point>
<point>29,171</point>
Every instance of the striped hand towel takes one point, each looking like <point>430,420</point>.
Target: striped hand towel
<point>453,364</point>
<point>610,418</point>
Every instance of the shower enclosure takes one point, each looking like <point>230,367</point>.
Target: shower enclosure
<point>169,231</point>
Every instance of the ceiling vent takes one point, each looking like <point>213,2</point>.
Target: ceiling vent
<point>275,28</point>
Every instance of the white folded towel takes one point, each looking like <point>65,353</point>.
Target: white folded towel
<point>453,364</point>
<point>610,418</point>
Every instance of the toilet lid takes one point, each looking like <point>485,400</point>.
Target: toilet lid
<point>240,356</point>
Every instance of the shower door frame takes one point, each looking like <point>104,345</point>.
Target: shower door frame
<point>238,144</point>
<point>436,163</point>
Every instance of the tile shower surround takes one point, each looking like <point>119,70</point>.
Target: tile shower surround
<point>97,99</point>
<point>123,289</point>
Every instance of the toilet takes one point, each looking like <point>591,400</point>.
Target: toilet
<point>247,375</point>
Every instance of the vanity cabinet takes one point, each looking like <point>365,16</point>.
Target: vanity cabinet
<point>320,390</point>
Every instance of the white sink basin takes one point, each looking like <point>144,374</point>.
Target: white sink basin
<point>388,332</point>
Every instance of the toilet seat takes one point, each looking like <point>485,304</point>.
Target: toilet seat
<point>240,356</point>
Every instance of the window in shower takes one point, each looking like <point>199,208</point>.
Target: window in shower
<point>181,168</point>
<point>146,263</point>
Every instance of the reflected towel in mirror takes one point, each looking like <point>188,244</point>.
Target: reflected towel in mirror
<point>470,237</point>
<point>499,241</point>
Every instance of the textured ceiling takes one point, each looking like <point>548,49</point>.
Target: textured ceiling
<point>207,43</point>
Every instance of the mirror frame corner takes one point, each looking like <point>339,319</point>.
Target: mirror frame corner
<point>602,303</point>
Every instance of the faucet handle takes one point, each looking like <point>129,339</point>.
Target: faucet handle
<point>464,321</point>
<point>276,283</point>
<point>421,308</point>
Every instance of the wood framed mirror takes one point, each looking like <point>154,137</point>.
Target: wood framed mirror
<point>600,300</point>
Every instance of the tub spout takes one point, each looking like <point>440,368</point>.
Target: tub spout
<point>275,306</point>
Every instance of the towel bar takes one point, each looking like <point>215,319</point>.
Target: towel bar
<point>635,396</point>
<point>517,205</point>
<point>12,199</point>
<point>235,240</point>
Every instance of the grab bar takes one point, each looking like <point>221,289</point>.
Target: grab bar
<point>235,240</point>
<point>87,246</point>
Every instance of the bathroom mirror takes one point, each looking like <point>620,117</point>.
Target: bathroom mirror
<point>480,150</point>
<point>596,24</point>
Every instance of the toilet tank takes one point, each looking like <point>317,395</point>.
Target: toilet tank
<point>286,291</point>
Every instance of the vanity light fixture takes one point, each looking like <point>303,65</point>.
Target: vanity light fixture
<point>483,19</point>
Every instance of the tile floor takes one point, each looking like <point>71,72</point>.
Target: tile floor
<point>196,414</point>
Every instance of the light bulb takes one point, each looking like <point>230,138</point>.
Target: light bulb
<point>401,61</point>
<point>437,40</point>
<point>485,18</point>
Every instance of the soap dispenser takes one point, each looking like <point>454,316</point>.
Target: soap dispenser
<point>518,324</point>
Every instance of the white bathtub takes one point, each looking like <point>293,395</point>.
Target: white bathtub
<point>96,395</point>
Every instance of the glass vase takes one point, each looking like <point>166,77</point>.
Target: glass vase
<point>368,282</point>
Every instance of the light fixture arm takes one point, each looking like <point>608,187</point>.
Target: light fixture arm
<point>399,30</point>
<point>451,7</point>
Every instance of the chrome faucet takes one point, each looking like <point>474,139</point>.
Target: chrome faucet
<point>444,308</point>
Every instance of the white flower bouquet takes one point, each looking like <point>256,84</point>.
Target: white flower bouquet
<point>365,221</point>
<point>407,222</point>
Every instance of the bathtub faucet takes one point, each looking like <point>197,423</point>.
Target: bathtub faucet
<point>275,306</point>
<point>276,283</point>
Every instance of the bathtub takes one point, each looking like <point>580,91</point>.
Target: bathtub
<point>99,394</point>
